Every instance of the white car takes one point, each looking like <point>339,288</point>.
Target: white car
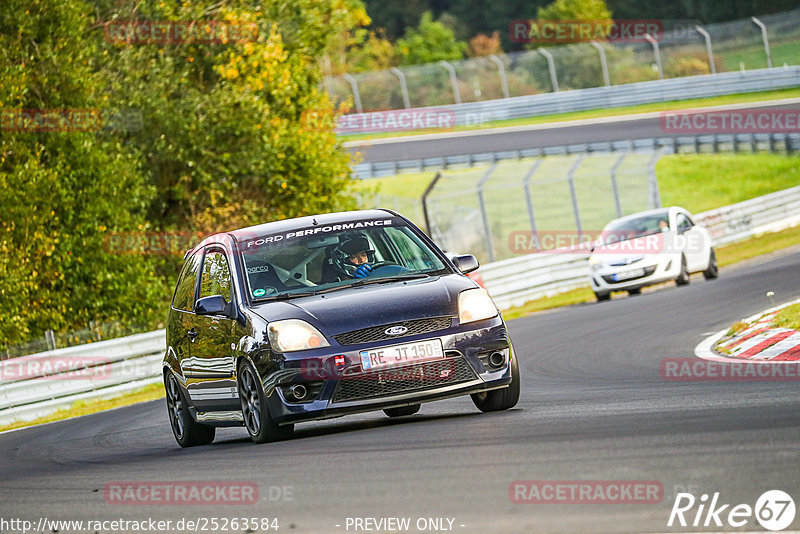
<point>648,248</point>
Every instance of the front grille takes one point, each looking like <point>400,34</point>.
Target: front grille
<point>417,377</point>
<point>378,333</point>
<point>647,272</point>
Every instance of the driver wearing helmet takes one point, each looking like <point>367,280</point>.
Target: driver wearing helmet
<point>359,254</point>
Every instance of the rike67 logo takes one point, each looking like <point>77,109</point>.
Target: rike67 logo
<point>774,510</point>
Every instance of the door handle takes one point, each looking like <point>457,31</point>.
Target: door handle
<point>192,334</point>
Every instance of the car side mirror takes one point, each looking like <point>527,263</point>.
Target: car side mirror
<point>211,305</point>
<point>466,263</point>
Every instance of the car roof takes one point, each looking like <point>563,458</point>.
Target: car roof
<point>288,224</point>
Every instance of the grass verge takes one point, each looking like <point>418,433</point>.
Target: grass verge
<point>726,255</point>
<point>598,113</point>
<point>788,317</point>
<point>147,393</point>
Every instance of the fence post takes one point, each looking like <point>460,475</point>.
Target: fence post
<point>657,53</point>
<point>603,62</point>
<point>574,195</point>
<point>764,38</point>
<point>652,180</point>
<point>453,80</point>
<point>709,51</point>
<point>425,202</point>
<point>501,70</point>
<point>551,66</point>
<point>526,183</point>
<point>50,339</point>
<point>484,215</point>
<point>403,87</point>
<point>356,95</point>
<point>614,187</point>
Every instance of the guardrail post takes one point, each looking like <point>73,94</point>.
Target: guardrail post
<point>403,87</point>
<point>453,80</point>
<point>484,215</point>
<point>551,67</point>
<point>657,53</point>
<point>652,180</point>
<point>356,95</point>
<point>526,184</point>
<point>574,195</point>
<point>501,70</point>
<point>603,62</point>
<point>614,187</point>
<point>425,201</point>
<point>709,51</point>
<point>765,39</point>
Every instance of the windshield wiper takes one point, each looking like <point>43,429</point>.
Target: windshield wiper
<point>385,279</point>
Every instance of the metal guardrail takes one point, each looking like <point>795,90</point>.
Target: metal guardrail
<point>615,96</point>
<point>518,280</point>
<point>33,386</point>
<point>750,142</point>
<point>38,384</point>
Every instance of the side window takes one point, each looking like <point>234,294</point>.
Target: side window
<point>216,277</point>
<point>182,300</point>
<point>683,222</point>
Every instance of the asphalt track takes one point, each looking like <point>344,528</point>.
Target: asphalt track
<point>593,407</point>
<point>555,134</point>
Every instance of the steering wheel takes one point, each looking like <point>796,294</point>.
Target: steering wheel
<point>388,268</point>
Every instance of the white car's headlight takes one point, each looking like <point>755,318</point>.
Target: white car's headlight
<point>595,263</point>
<point>293,334</point>
<point>475,305</point>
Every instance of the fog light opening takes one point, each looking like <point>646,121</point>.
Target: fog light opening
<point>299,391</point>
<point>497,359</point>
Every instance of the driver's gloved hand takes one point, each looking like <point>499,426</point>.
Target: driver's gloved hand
<point>363,271</point>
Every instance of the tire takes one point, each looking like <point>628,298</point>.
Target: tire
<point>500,399</point>
<point>713,269</point>
<point>257,420</point>
<point>602,296</point>
<point>186,430</point>
<point>683,278</point>
<point>637,291</point>
<point>403,410</point>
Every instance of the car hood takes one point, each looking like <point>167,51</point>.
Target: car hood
<point>640,247</point>
<point>354,308</point>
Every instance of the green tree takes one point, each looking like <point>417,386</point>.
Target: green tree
<point>431,41</point>
<point>594,10</point>
<point>62,191</point>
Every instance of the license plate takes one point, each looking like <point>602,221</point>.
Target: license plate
<point>628,274</point>
<point>401,354</point>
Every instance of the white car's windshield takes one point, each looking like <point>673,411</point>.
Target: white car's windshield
<point>631,228</point>
<point>327,257</point>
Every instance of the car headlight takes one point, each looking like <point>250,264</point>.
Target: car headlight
<point>595,263</point>
<point>293,334</point>
<point>475,305</point>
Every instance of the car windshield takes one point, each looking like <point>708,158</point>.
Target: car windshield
<point>631,228</point>
<point>323,258</point>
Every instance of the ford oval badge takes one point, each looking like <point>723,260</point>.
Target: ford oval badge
<point>395,330</point>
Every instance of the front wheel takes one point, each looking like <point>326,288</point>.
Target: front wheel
<point>683,277</point>
<point>602,296</point>
<point>186,430</point>
<point>500,399</point>
<point>259,423</point>
<point>713,270</point>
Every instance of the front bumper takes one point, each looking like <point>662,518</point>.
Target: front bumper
<point>654,270</point>
<point>349,389</point>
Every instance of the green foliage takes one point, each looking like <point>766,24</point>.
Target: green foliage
<point>234,133</point>
<point>594,10</point>
<point>431,41</point>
